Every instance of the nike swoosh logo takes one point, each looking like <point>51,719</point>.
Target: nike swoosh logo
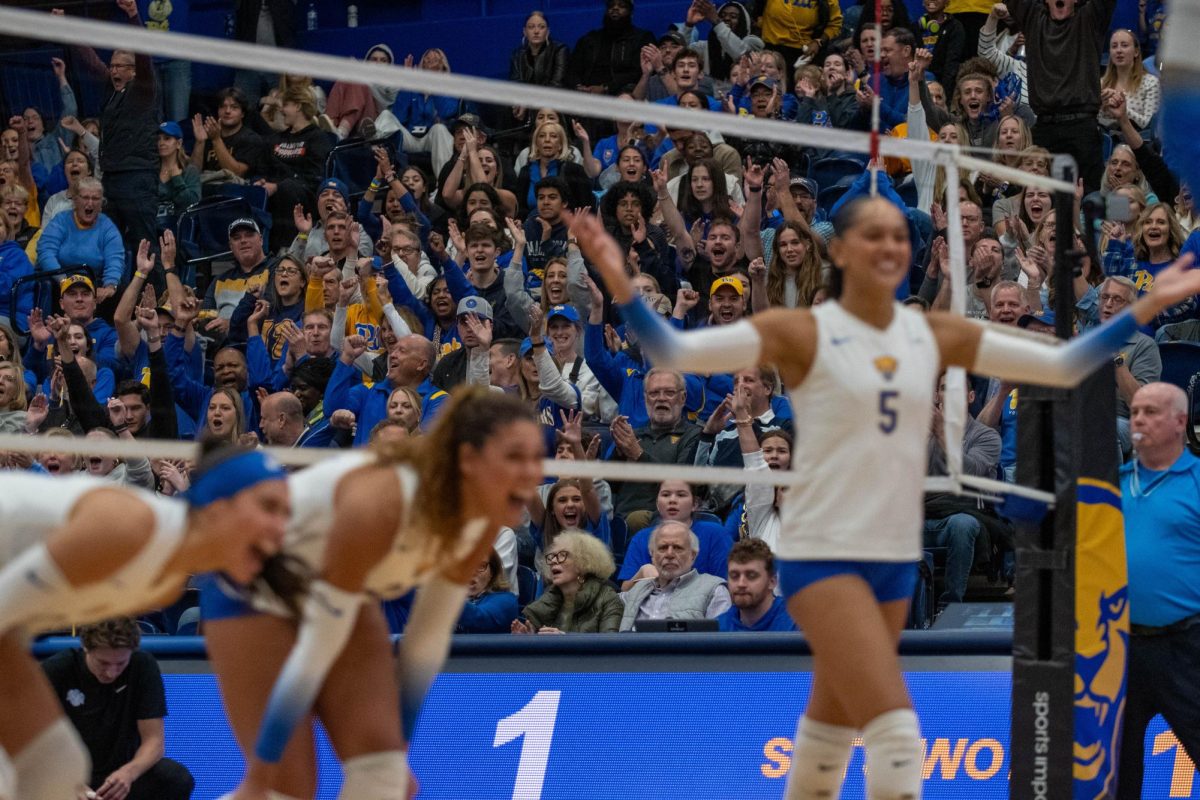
<point>36,580</point>
<point>838,341</point>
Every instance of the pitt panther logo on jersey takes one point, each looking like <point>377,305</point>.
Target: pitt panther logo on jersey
<point>886,366</point>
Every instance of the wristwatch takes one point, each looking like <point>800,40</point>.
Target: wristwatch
<point>1119,360</point>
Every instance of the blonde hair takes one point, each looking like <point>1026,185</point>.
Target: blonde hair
<point>21,400</point>
<point>590,555</point>
<point>235,398</point>
<point>1137,70</point>
<point>564,151</point>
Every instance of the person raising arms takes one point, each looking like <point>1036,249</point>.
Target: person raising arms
<point>78,550</point>
<point>863,367</point>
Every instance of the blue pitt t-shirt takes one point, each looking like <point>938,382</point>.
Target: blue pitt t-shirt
<point>776,619</point>
<point>1162,540</point>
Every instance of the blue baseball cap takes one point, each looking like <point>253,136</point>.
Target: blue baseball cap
<point>171,129</point>
<point>763,81</point>
<point>566,312</point>
<point>335,185</point>
<point>1045,318</point>
<point>527,347</point>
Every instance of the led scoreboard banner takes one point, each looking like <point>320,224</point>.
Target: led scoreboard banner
<point>510,722</point>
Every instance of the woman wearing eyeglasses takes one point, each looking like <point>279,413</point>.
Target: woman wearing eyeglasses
<point>579,598</point>
<point>266,322</point>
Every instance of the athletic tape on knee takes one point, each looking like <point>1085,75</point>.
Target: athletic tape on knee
<point>819,760</point>
<point>53,766</point>
<point>376,776</point>
<point>894,756</point>
<point>8,777</point>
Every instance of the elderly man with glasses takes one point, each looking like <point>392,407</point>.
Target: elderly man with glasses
<point>1137,364</point>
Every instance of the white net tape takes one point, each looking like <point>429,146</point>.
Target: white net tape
<point>76,31</point>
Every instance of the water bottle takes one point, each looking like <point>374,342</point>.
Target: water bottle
<point>351,16</point>
<point>312,16</point>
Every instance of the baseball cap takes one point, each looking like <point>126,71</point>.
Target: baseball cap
<point>76,280</point>
<point>673,36</point>
<point>171,129</point>
<point>527,347</point>
<point>468,120</point>
<point>475,305</point>
<point>731,282</point>
<point>764,81</point>
<point>1045,318</point>
<point>566,312</point>
<point>335,185</point>
<point>808,184</point>
<point>243,223</point>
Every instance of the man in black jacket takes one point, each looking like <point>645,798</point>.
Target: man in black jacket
<point>609,60</point>
<point>1063,45</point>
<point>128,136</point>
<point>269,22</point>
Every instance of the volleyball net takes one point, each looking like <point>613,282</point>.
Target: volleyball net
<point>248,56</point>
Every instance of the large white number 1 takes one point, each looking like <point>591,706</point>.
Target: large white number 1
<point>536,723</point>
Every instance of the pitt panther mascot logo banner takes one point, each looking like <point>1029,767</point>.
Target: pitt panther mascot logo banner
<point>1101,623</point>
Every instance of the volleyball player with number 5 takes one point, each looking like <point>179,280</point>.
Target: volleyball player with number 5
<point>860,370</point>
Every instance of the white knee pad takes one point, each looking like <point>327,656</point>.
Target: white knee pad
<point>8,778</point>
<point>894,756</point>
<point>819,760</point>
<point>376,776</point>
<point>54,766</point>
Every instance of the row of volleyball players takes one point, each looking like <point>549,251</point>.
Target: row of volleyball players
<point>288,563</point>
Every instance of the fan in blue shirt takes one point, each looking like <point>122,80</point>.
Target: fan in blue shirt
<point>752,582</point>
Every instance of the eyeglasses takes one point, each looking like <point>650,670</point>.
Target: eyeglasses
<point>407,250</point>
<point>668,393</point>
<point>114,66</point>
<point>287,271</point>
<point>557,558</point>
<point>1119,299</point>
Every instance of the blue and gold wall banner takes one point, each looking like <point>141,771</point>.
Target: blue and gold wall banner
<point>1101,637</point>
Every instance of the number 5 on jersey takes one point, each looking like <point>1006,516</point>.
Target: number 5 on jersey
<point>887,410</point>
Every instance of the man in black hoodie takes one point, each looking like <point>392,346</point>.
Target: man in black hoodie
<point>608,60</point>
<point>128,136</point>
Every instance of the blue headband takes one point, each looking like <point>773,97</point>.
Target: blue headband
<point>232,476</point>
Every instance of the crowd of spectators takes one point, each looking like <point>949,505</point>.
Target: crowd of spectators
<point>347,307</point>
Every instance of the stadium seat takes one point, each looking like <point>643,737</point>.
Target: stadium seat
<point>828,172</point>
<point>620,538</point>
<point>1180,361</point>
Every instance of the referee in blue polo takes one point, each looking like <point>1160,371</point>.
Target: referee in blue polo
<point>1160,496</point>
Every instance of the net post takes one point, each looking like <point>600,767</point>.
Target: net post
<point>1048,434</point>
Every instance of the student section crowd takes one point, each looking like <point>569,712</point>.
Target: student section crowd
<point>386,247</point>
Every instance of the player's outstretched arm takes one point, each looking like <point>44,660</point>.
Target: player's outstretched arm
<point>993,351</point>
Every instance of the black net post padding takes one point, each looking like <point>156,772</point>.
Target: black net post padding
<point>1044,605</point>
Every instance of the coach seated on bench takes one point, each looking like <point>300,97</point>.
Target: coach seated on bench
<point>678,591</point>
<point>113,694</point>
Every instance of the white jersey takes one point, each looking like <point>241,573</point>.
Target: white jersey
<point>312,494</point>
<point>33,506</point>
<point>861,421</point>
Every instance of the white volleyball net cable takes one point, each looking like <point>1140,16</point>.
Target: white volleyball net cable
<point>244,55</point>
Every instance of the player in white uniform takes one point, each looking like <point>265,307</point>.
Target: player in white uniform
<point>79,550</point>
<point>861,371</point>
<point>370,527</point>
